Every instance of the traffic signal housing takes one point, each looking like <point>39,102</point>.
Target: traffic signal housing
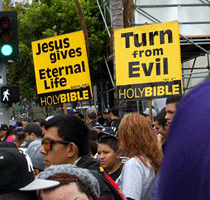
<point>9,49</point>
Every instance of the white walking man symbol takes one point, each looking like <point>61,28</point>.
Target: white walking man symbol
<point>6,93</point>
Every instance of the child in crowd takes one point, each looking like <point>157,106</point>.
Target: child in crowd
<point>109,156</point>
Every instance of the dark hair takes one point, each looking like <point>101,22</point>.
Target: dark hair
<point>93,147</point>
<point>99,113</point>
<point>174,99</point>
<point>160,118</point>
<point>115,112</point>
<point>19,123</point>
<point>41,121</point>
<point>15,132</point>
<point>81,116</point>
<point>110,141</point>
<point>92,115</point>
<point>73,129</point>
<point>93,134</point>
<point>32,127</point>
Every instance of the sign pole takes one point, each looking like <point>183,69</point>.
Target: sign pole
<point>150,109</point>
<point>65,108</point>
<point>4,112</point>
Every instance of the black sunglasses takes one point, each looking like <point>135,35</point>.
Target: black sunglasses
<point>47,143</point>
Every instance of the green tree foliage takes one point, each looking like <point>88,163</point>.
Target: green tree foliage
<point>41,20</point>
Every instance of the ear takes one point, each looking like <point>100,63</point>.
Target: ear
<point>33,135</point>
<point>72,150</point>
<point>119,153</point>
<point>36,172</point>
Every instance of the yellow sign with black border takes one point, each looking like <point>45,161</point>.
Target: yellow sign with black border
<point>61,69</point>
<point>148,61</point>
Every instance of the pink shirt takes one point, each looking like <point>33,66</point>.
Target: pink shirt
<point>9,138</point>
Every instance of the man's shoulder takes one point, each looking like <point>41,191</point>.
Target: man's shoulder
<point>116,121</point>
<point>88,162</point>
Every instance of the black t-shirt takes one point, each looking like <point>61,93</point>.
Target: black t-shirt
<point>115,174</point>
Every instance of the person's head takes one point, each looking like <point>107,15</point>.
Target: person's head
<point>25,121</point>
<point>171,105</point>
<point>161,124</point>
<point>91,114</point>
<point>99,114</point>
<point>81,116</point>
<point>93,141</point>
<point>3,131</point>
<point>114,112</point>
<point>77,183</point>
<point>66,139</point>
<point>18,123</point>
<point>17,178</point>
<point>93,134</point>
<point>16,138</point>
<point>41,122</point>
<point>11,128</point>
<point>106,114</point>
<point>32,131</point>
<point>109,153</point>
<point>73,111</point>
<point>136,138</point>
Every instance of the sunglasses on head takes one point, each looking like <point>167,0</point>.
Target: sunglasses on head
<point>47,143</point>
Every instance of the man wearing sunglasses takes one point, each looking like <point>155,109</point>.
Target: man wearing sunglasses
<point>67,142</point>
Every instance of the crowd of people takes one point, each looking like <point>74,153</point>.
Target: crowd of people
<point>101,156</point>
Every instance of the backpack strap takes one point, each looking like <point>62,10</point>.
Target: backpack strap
<point>116,187</point>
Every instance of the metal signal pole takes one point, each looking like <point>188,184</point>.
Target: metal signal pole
<point>4,111</point>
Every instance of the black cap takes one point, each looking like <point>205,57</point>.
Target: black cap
<point>27,119</point>
<point>3,127</point>
<point>106,111</point>
<point>17,172</point>
<point>7,144</point>
<point>107,131</point>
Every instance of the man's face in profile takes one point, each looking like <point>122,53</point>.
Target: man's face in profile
<point>170,110</point>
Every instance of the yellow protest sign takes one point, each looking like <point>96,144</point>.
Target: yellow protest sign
<point>148,61</point>
<point>61,69</point>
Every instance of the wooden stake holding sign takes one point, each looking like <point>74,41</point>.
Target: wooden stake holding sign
<point>149,100</point>
<point>150,109</point>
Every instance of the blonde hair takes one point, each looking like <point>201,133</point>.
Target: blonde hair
<point>136,137</point>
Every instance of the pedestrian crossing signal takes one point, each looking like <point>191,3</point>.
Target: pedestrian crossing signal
<point>10,94</point>
<point>9,49</point>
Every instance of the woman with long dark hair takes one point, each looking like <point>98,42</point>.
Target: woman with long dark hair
<point>139,143</point>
